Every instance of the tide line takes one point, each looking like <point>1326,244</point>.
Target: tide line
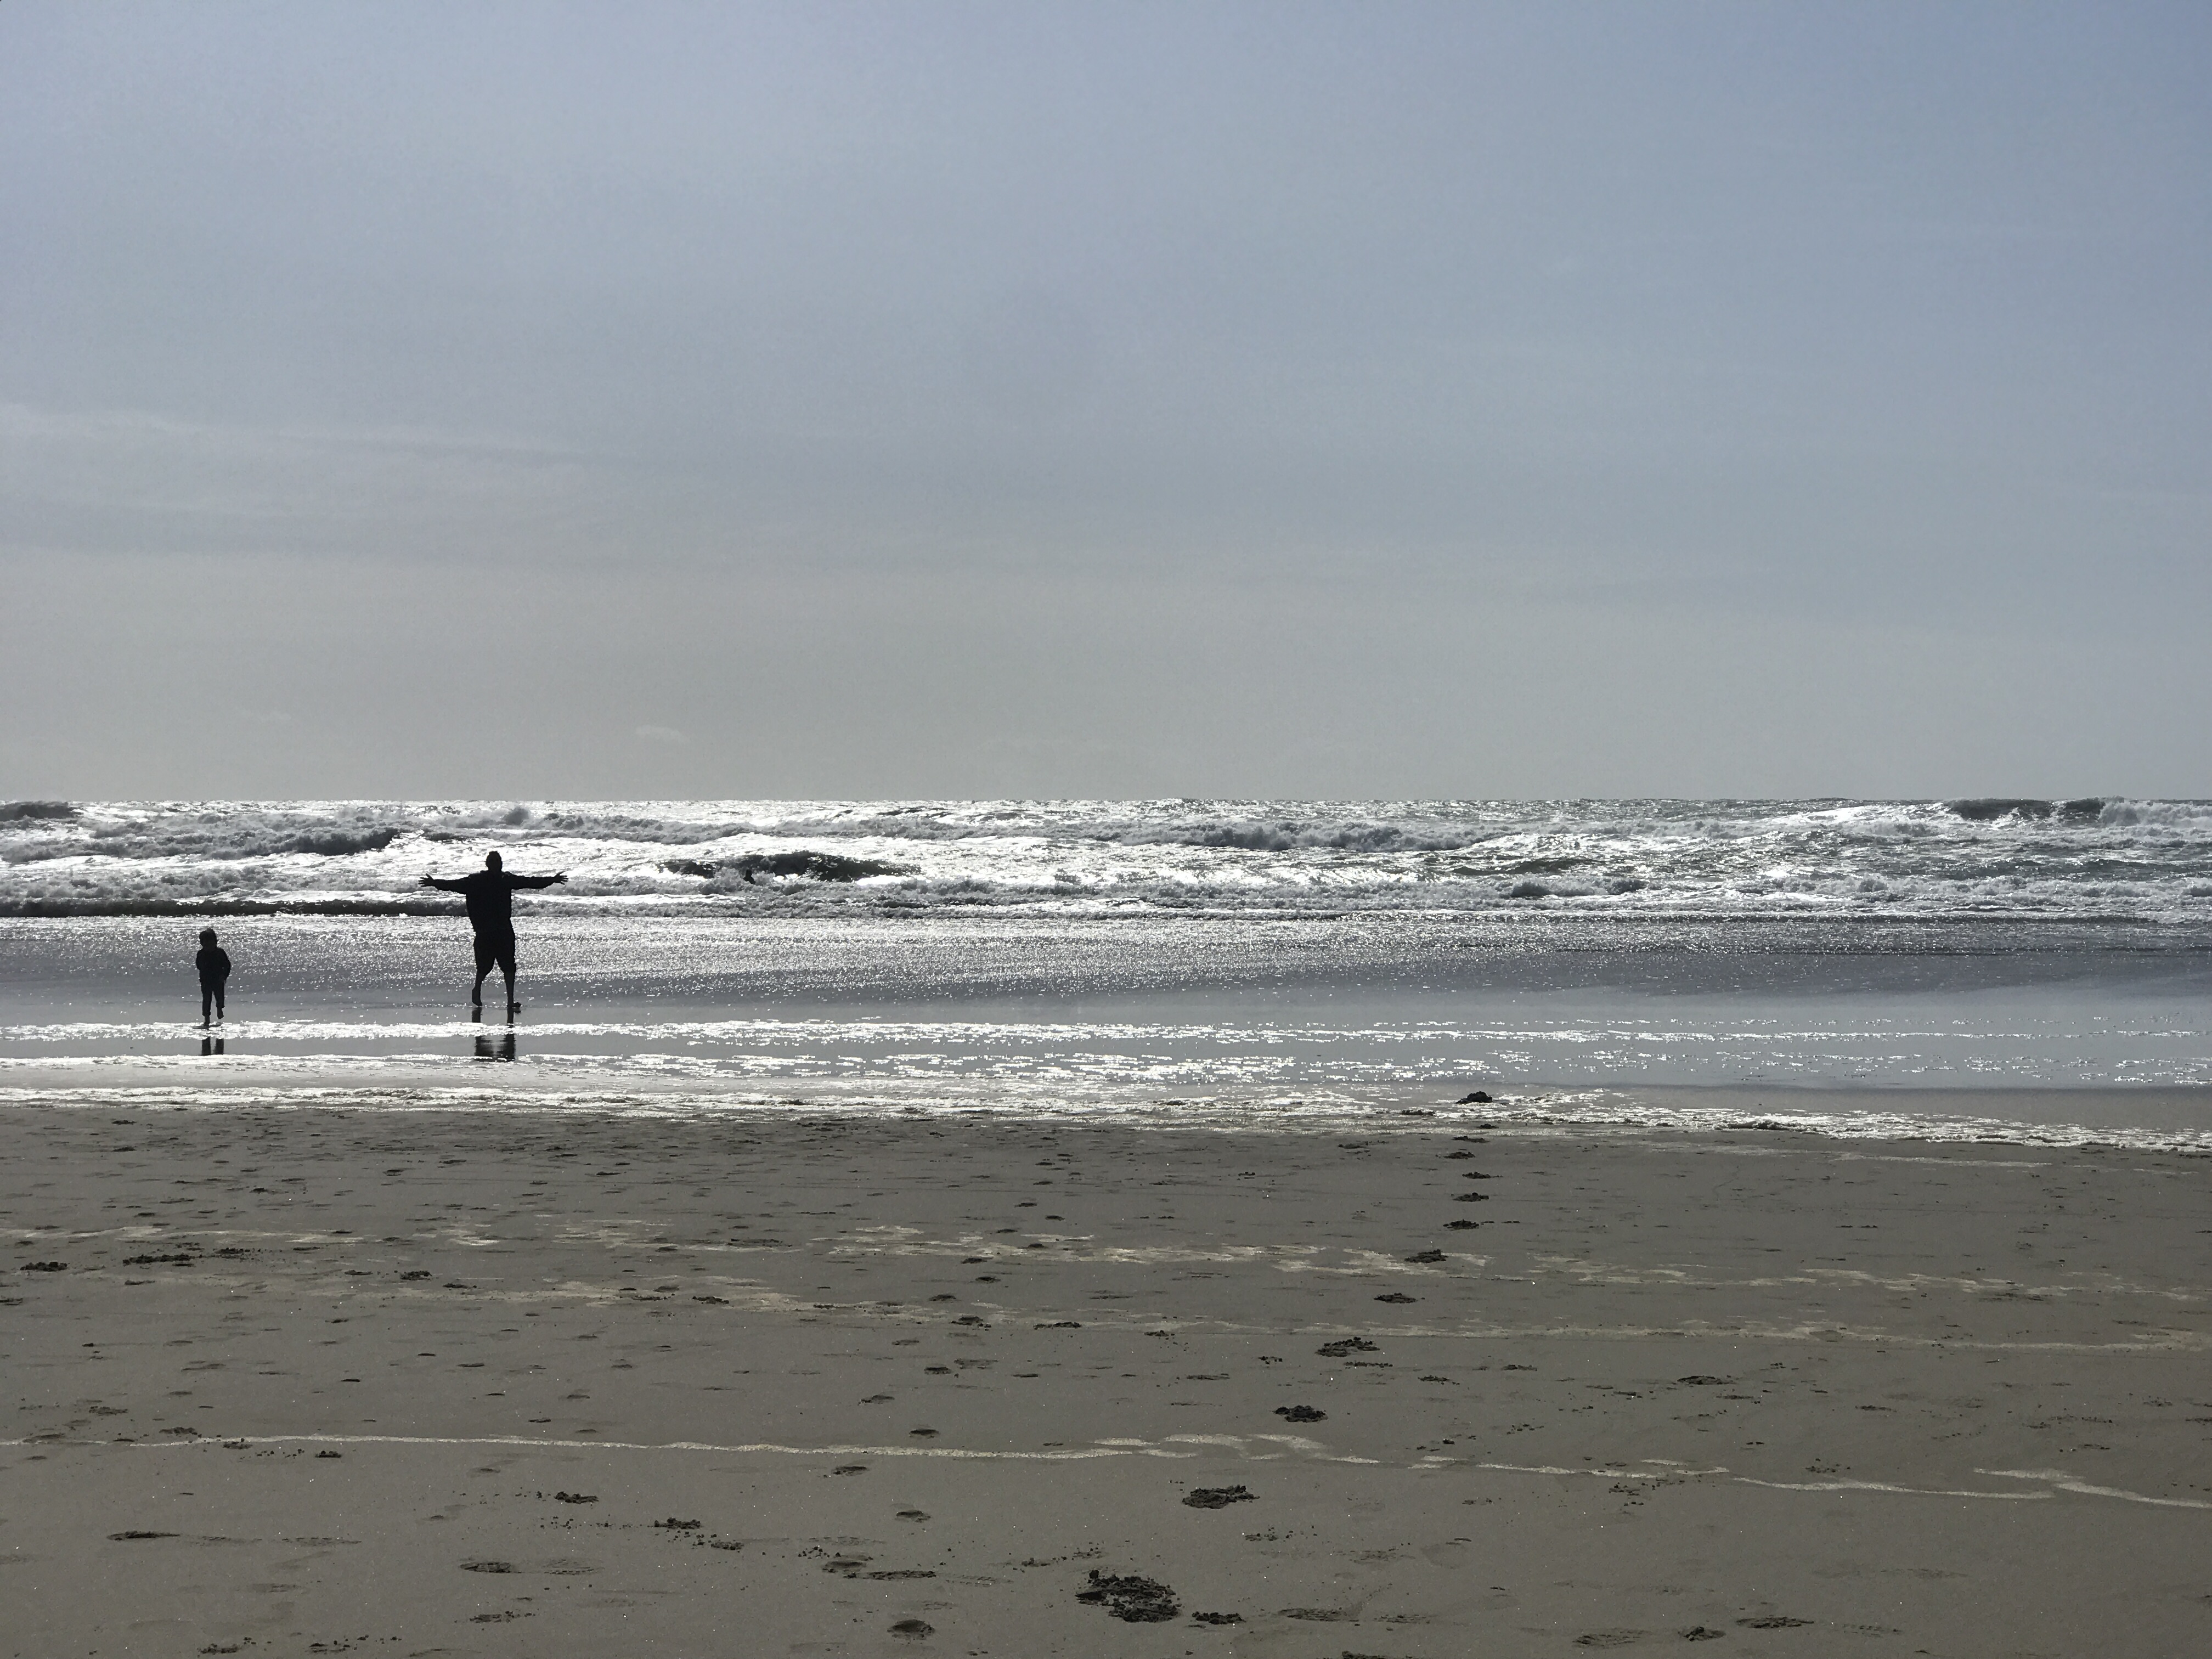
<point>2065,1482</point>
<point>1884,1486</point>
<point>535,1443</point>
<point>2054,1480</point>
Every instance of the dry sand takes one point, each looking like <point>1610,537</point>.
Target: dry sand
<point>394,1383</point>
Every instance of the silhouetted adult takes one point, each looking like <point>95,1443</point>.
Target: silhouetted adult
<point>491,896</point>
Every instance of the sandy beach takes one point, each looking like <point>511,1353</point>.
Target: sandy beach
<point>1207,830</point>
<point>310,1381</point>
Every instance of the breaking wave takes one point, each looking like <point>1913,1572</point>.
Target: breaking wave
<point>2101,857</point>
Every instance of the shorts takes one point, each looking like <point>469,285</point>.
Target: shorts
<point>496,946</point>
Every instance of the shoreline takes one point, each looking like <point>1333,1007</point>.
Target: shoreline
<point>2147,1118</point>
<point>1780,1386</point>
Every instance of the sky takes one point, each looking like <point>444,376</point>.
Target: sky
<point>862,400</point>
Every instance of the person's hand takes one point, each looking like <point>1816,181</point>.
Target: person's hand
<point>429,881</point>
<point>563,876</point>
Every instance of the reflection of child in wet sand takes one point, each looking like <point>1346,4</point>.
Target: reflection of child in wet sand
<point>214,963</point>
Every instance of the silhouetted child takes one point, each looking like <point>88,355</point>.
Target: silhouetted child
<point>214,963</point>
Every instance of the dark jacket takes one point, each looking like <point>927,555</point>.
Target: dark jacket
<point>491,896</point>
<point>214,963</point>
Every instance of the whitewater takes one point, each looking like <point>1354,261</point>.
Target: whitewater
<point>1629,962</point>
<point>2084,858</point>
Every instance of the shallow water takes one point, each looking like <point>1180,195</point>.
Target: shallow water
<point>1164,1016</point>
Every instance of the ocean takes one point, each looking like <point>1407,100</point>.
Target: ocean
<point>1813,964</point>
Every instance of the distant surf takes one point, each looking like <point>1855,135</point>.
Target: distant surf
<point>2092,858</point>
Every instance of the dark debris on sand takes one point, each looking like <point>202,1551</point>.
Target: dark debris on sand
<point>1139,1601</point>
<point>1302,1413</point>
<point>1219,1498</point>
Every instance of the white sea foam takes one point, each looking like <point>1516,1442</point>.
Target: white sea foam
<point>2140,861</point>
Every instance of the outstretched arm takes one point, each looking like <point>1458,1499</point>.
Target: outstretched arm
<point>537,881</point>
<point>447,886</point>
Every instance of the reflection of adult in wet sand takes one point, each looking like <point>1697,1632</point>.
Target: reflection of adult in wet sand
<point>486,1050</point>
<point>491,896</point>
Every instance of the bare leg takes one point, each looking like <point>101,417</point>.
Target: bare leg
<point>508,974</point>
<point>476,991</point>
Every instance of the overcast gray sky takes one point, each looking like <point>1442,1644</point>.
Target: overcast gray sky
<point>1104,399</point>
